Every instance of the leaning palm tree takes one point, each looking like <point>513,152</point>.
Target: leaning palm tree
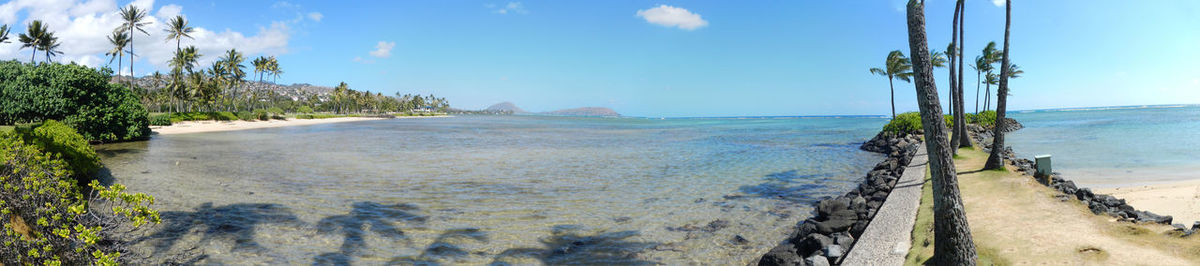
<point>960,118</point>
<point>952,51</point>
<point>996,158</point>
<point>119,40</point>
<point>952,235</point>
<point>4,33</point>
<point>33,38</point>
<point>132,17</point>
<point>896,67</point>
<point>177,28</point>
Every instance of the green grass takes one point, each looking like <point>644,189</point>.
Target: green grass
<point>921,250</point>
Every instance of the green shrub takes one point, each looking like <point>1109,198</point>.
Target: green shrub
<point>57,138</point>
<point>47,219</point>
<point>275,111</point>
<point>910,123</point>
<point>986,118</point>
<point>160,120</point>
<point>245,115</point>
<point>261,114</point>
<point>79,96</point>
<point>203,116</point>
<point>304,116</point>
<point>304,110</point>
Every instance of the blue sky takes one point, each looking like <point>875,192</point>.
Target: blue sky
<point>676,58</point>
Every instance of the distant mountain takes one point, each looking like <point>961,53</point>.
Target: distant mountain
<point>585,111</point>
<point>505,107</point>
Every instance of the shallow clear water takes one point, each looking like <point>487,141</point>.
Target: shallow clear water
<point>487,189</point>
<point>1114,146</point>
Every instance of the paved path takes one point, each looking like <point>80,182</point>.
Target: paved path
<point>886,240</point>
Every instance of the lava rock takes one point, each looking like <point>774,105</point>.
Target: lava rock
<point>812,243</point>
<point>816,261</point>
<point>784,254</point>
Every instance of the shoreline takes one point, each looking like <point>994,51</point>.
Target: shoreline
<point>1180,199</point>
<point>189,127</point>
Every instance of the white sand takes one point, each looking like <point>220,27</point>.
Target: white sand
<point>216,126</point>
<point>1180,200</point>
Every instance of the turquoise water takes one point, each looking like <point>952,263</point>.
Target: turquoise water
<point>492,189</point>
<point>1114,146</point>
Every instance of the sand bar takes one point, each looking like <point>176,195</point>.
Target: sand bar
<point>186,127</point>
<point>1180,200</point>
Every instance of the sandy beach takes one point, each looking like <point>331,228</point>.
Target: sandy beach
<point>1180,200</point>
<point>216,126</point>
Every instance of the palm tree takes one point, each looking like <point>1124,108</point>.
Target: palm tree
<point>49,44</point>
<point>981,65</point>
<point>4,33</point>
<point>33,37</point>
<point>896,67</point>
<point>233,63</point>
<point>960,119</point>
<point>996,159</point>
<point>952,51</point>
<point>177,28</point>
<point>119,40</point>
<point>273,68</point>
<point>260,67</point>
<point>990,56</point>
<point>952,235</point>
<point>132,17</point>
<point>938,59</point>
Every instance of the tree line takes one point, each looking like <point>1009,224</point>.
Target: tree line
<point>222,86</point>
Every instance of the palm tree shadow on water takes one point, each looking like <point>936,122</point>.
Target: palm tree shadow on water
<point>235,223</point>
<point>365,217</point>
<point>567,246</point>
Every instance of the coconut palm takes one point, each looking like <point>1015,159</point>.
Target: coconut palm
<point>952,51</point>
<point>119,40</point>
<point>260,67</point>
<point>273,68</point>
<point>33,37</point>
<point>960,118</point>
<point>981,65</point>
<point>952,235</point>
<point>177,28</point>
<point>233,63</point>
<point>996,158</point>
<point>4,33</point>
<point>938,59</point>
<point>49,44</point>
<point>132,17</point>
<point>896,66</point>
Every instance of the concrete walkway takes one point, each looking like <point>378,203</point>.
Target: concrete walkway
<point>887,239</point>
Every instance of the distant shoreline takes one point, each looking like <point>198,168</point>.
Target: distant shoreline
<point>189,127</point>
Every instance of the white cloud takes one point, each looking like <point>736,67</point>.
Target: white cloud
<point>511,7</point>
<point>998,2</point>
<point>383,49</point>
<point>673,17</point>
<point>359,59</point>
<point>83,26</point>
<point>315,16</point>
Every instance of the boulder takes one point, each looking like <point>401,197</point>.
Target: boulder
<point>781,255</point>
<point>833,252</point>
<point>843,239</point>
<point>812,243</point>
<point>834,225</point>
<point>826,207</point>
<point>1150,217</point>
<point>1196,226</point>
<point>1084,194</point>
<point>816,261</point>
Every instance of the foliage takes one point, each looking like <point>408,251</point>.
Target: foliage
<point>910,123</point>
<point>261,114</point>
<point>47,218</point>
<point>77,95</point>
<point>304,116</point>
<point>202,116</point>
<point>160,120</point>
<point>986,118</point>
<point>304,110</point>
<point>245,115</point>
<point>275,110</point>
<point>61,141</point>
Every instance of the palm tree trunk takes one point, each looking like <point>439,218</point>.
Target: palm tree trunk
<point>996,159</point>
<point>977,72</point>
<point>31,55</point>
<point>987,96</point>
<point>952,235</point>
<point>960,121</point>
<point>954,138</point>
<point>131,57</point>
<point>893,89</point>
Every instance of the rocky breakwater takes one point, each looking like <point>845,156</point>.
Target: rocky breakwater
<point>1099,204</point>
<point>825,238</point>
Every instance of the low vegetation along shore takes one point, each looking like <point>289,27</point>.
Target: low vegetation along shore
<point>200,126</point>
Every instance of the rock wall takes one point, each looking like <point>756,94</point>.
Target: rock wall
<point>824,238</point>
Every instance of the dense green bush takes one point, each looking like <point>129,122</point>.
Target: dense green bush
<point>261,114</point>
<point>986,119</point>
<point>245,115</point>
<point>275,111</point>
<point>203,116</point>
<point>79,96</point>
<point>304,116</point>
<point>62,141</point>
<point>910,123</point>
<point>47,218</point>
<point>304,110</point>
<point>160,120</point>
